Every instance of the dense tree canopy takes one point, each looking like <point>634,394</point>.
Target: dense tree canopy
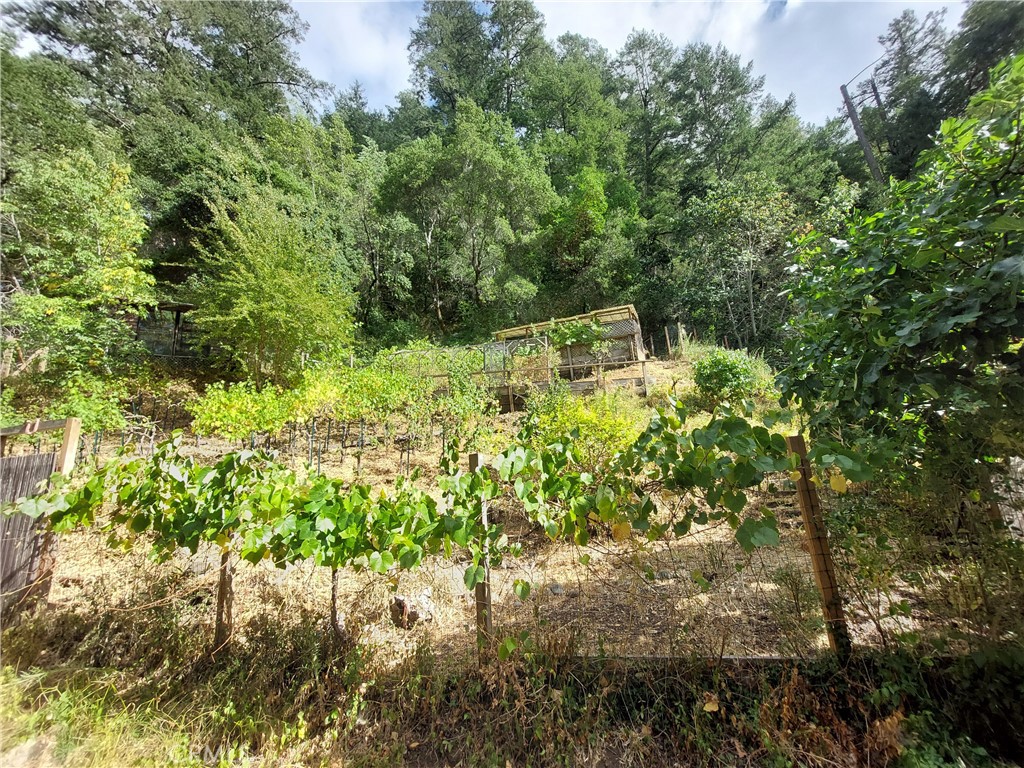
<point>519,178</point>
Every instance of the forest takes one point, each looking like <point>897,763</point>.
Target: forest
<point>793,534</point>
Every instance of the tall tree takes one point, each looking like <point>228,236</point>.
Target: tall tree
<point>271,288</point>
<point>450,54</point>
<point>644,66</point>
<point>517,46</point>
<point>177,80</point>
<point>414,186</point>
<point>571,116</point>
<point>906,80</point>
<point>41,104</point>
<point>731,265</point>
<point>476,199</point>
<point>71,228</point>
<point>988,32</point>
<point>203,60</point>
<point>385,241</point>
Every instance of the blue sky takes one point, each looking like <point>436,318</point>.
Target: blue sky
<point>801,47</point>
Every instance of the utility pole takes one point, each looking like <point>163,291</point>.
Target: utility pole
<point>878,101</point>
<point>869,155</point>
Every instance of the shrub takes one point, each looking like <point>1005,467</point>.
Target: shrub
<point>604,423</point>
<point>725,374</point>
<point>237,411</point>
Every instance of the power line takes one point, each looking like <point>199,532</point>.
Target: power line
<point>861,72</point>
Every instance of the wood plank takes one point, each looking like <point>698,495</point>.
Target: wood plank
<point>31,427</point>
<point>484,605</point>
<point>821,554</point>
<point>65,461</point>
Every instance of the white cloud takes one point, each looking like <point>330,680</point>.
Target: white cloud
<point>804,47</point>
<point>364,41</point>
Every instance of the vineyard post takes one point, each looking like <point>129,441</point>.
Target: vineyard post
<point>66,455</point>
<point>64,463</point>
<point>225,600</point>
<point>821,554</point>
<point>507,373</point>
<point>668,344</point>
<point>551,367</point>
<point>484,624</point>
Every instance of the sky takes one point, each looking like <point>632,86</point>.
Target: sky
<point>804,47</point>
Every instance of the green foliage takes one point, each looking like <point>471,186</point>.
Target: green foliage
<point>237,411</point>
<point>74,228</point>
<point>567,497</point>
<point>909,325</point>
<point>729,374</point>
<point>391,389</point>
<point>97,400</point>
<point>601,424</point>
<point>71,227</point>
<point>734,248</point>
<point>250,504</point>
<point>467,406</point>
<point>573,332</point>
<point>42,107</point>
<point>271,291</point>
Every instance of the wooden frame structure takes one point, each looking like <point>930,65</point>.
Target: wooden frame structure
<point>28,549</point>
<point>620,328</point>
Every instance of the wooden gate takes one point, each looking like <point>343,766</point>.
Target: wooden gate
<point>27,547</point>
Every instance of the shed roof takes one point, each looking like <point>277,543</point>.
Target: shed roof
<point>603,316</point>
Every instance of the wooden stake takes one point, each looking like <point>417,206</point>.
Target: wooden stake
<point>65,461</point>
<point>484,623</point>
<point>225,601</point>
<point>668,344</point>
<point>821,555</point>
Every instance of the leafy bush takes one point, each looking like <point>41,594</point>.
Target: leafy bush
<point>391,390</point>
<point>725,374</point>
<point>236,411</point>
<point>75,278</point>
<point>575,332</point>
<point>908,326</point>
<point>466,408</point>
<point>603,423</point>
<point>270,291</point>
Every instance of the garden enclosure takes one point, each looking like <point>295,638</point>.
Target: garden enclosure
<point>702,593</point>
<point>528,358</point>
